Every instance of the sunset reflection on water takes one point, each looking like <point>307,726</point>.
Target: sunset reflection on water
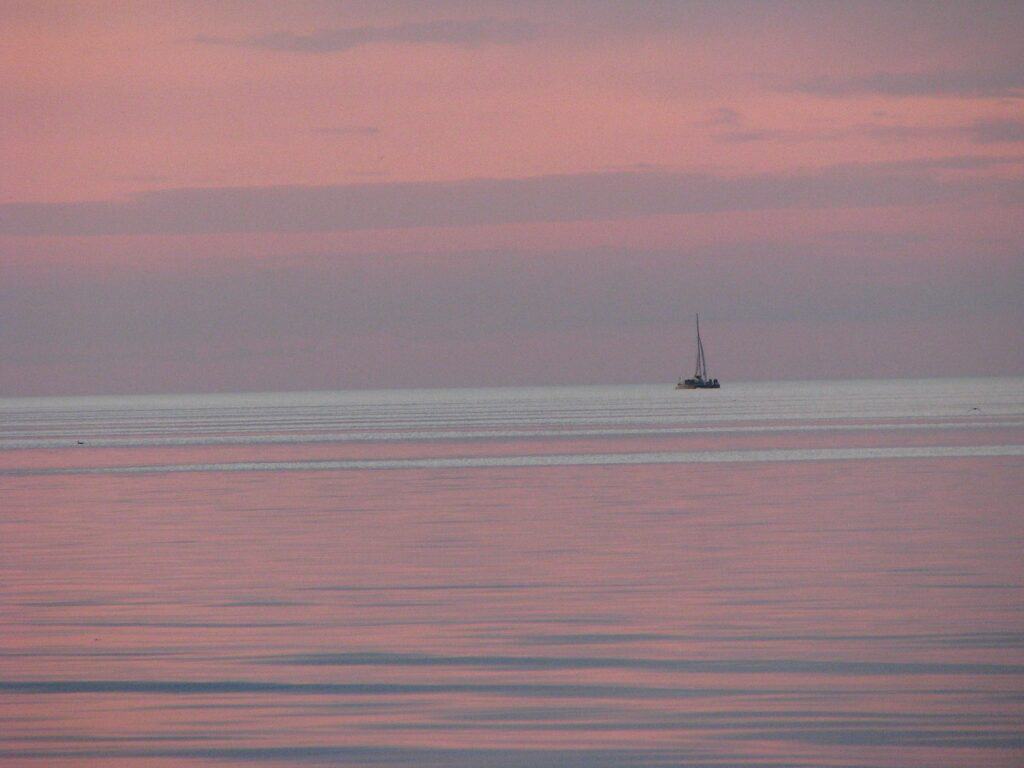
<point>830,612</point>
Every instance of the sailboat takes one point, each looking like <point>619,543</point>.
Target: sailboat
<point>700,378</point>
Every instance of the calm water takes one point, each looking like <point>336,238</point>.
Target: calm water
<point>808,574</point>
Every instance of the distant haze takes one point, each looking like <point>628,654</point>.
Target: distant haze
<point>204,197</point>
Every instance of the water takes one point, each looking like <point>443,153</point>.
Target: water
<point>802,574</point>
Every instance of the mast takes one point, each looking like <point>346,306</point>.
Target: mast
<point>703,357</point>
<point>702,367</point>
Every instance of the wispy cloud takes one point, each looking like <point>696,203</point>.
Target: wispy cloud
<point>723,117</point>
<point>347,130</point>
<point>1007,82</point>
<point>998,131</point>
<point>444,32</point>
<point>993,131</point>
<point>569,197</point>
<point>745,136</point>
<point>730,127</point>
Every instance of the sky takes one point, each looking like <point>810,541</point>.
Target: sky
<point>245,196</point>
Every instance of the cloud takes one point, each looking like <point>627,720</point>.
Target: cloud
<point>993,83</point>
<point>746,136</point>
<point>723,117</point>
<point>348,130</point>
<point>949,163</point>
<point>899,132</point>
<point>997,131</point>
<point>733,129</point>
<point>443,32</point>
<point>992,131</point>
<point>730,126</point>
<point>567,197</point>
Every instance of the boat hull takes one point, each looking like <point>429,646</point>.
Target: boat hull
<point>698,384</point>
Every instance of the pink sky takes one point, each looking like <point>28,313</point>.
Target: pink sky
<point>255,195</point>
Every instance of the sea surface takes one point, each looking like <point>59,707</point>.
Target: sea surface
<point>785,574</point>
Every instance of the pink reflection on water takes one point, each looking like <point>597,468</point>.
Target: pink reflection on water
<point>522,608</point>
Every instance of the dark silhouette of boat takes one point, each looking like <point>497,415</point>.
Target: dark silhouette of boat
<point>700,379</point>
